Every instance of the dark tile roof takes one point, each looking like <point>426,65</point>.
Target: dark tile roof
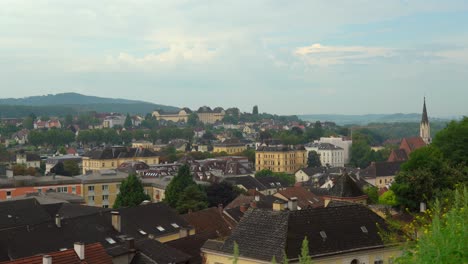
<point>148,217</point>
<point>310,171</point>
<point>271,182</point>
<point>22,213</point>
<point>382,169</point>
<point>67,210</point>
<point>192,245</point>
<point>262,234</point>
<point>345,187</point>
<point>119,152</point>
<point>248,182</point>
<point>160,253</point>
<point>305,198</point>
<point>279,148</point>
<point>210,220</point>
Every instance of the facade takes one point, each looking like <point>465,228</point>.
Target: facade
<point>142,144</point>
<point>425,128</point>
<point>178,116</point>
<point>51,162</point>
<point>206,115</point>
<point>280,158</point>
<point>28,159</point>
<point>114,120</point>
<point>39,124</point>
<point>330,155</point>
<point>113,157</point>
<point>342,142</point>
<point>381,174</point>
<point>230,147</point>
<point>100,189</point>
<point>19,186</point>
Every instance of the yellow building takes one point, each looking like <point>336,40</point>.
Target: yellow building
<point>143,144</point>
<point>280,158</point>
<point>179,116</point>
<point>347,234</point>
<point>113,157</point>
<point>100,189</point>
<point>229,146</point>
<point>206,115</point>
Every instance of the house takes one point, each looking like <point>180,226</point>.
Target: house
<point>407,146</point>
<point>136,120</point>
<point>113,121</point>
<point>54,123</point>
<point>344,234</point>
<point>304,198</point>
<point>330,155</point>
<point>248,183</point>
<point>280,158</point>
<point>51,162</point>
<point>305,174</point>
<point>273,184</point>
<point>112,157</point>
<point>80,254</point>
<point>342,142</point>
<point>142,144</point>
<point>229,146</point>
<point>381,174</point>
<point>345,188</point>
<point>177,116</point>
<point>30,160</point>
<point>206,115</point>
<point>21,137</point>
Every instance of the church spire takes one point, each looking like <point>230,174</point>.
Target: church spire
<point>424,128</point>
<point>425,119</point>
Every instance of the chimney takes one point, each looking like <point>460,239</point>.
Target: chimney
<point>257,198</point>
<point>116,221</point>
<point>422,207</point>
<point>58,221</point>
<point>243,208</point>
<point>130,243</point>
<point>253,204</point>
<point>292,204</point>
<point>278,205</point>
<point>79,250</point>
<point>46,259</point>
<point>183,232</point>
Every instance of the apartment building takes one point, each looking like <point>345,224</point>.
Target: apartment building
<point>330,155</point>
<point>112,157</point>
<point>229,146</point>
<point>281,158</point>
<point>177,116</point>
<point>206,115</point>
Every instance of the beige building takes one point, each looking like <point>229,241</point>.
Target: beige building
<point>229,146</point>
<point>101,188</point>
<point>142,144</point>
<point>280,158</point>
<point>28,159</point>
<point>179,116</point>
<point>113,157</point>
<point>206,115</point>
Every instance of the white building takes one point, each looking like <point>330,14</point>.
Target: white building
<point>112,121</point>
<point>330,155</point>
<point>341,142</point>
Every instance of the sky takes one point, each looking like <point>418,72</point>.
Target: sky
<point>287,57</point>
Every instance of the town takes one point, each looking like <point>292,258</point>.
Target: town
<point>214,185</point>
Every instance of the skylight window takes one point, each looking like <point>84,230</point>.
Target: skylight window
<point>175,225</point>
<point>110,240</point>
<point>142,232</point>
<point>364,229</point>
<point>160,228</point>
<point>323,235</point>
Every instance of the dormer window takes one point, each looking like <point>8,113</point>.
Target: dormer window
<point>175,225</point>
<point>364,229</point>
<point>110,240</point>
<point>142,232</point>
<point>323,235</point>
<point>160,228</point>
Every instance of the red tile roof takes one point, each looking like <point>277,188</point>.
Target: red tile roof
<point>94,254</point>
<point>305,199</point>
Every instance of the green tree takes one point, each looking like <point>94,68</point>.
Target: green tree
<point>388,198</point>
<point>62,150</point>
<point>235,254</point>
<point>128,121</point>
<point>71,168</point>
<point>372,194</point>
<point>28,123</point>
<point>255,110</point>
<point>131,192</point>
<point>250,154</point>
<point>178,184</point>
<point>263,173</point>
<point>313,159</point>
<point>453,142</point>
<point>193,119</point>
<point>193,198</point>
<point>221,193</point>
<point>68,120</point>
<point>305,258</point>
<point>444,240</point>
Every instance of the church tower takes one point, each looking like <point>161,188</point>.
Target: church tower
<point>424,128</point>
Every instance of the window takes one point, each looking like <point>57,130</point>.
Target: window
<point>160,228</point>
<point>323,235</point>
<point>103,164</point>
<point>105,187</point>
<point>175,225</point>
<point>105,206</point>
<point>110,240</point>
<point>354,261</point>
<point>105,198</point>
<point>62,189</point>
<point>378,262</point>
<point>91,198</point>
<point>142,232</point>
<point>74,189</point>
<point>8,194</point>
<point>91,188</point>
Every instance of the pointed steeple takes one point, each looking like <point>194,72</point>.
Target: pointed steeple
<point>424,119</point>
<point>424,128</point>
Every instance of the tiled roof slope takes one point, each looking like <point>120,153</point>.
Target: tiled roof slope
<point>210,220</point>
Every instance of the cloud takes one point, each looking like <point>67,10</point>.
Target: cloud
<point>321,55</point>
